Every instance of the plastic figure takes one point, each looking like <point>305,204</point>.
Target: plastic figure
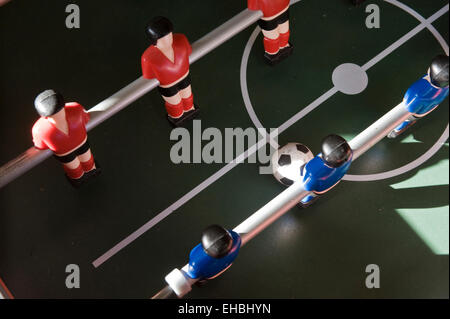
<point>167,60</point>
<point>62,129</point>
<point>426,94</point>
<point>326,170</point>
<point>216,253</point>
<point>275,28</point>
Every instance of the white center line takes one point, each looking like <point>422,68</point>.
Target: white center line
<point>158,218</point>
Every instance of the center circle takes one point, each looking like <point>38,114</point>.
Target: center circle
<point>368,177</point>
<point>350,78</point>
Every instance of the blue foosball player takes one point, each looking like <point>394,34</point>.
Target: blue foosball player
<point>426,94</point>
<point>326,170</point>
<point>216,253</point>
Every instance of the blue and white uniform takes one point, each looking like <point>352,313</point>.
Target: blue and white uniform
<point>320,177</point>
<point>202,266</point>
<point>421,99</point>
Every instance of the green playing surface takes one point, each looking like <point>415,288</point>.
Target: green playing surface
<point>400,223</point>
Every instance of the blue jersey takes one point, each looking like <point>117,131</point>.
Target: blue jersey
<point>203,266</point>
<point>422,97</point>
<point>319,177</point>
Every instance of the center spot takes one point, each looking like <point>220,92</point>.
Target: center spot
<point>350,78</point>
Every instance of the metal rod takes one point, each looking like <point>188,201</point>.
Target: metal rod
<point>287,199</point>
<point>164,293</point>
<point>259,221</point>
<point>378,130</point>
<point>270,212</point>
<point>115,103</point>
<point>223,33</point>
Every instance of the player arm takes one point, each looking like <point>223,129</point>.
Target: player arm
<point>412,102</point>
<point>189,47</point>
<point>147,71</point>
<point>81,111</point>
<point>37,140</point>
<point>187,44</point>
<point>86,115</point>
<point>416,95</point>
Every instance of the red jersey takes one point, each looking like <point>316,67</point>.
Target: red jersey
<point>268,7</point>
<point>47,136</point>
<point>156,65</point>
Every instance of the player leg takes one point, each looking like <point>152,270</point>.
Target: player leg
<point>88,163</point>
<point>276,38</point>
<point>286,47</point>
<point>84,155</point>
<point>308,200</point>
<point>174,106</point>
<point>183,100</point>
<point>284,32</point>
<point>271,40</point>
<point>188,98</point>
<point>180,107</point>
<point>74,172</point>
<point>190,110</point>
<point>186,94</point>
<point>410,121</point>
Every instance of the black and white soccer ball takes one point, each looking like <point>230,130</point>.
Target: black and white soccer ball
<point>288,161</point>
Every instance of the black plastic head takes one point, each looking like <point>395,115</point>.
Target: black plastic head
<point>49,103</point>
<point>216,241</point>
<point>335,150</point>
<point>157,28</point>
<point>439,71</point>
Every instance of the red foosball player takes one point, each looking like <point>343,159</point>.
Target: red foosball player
<point>275,28</point>
<point>62,129</point>
<point>167,60</point>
